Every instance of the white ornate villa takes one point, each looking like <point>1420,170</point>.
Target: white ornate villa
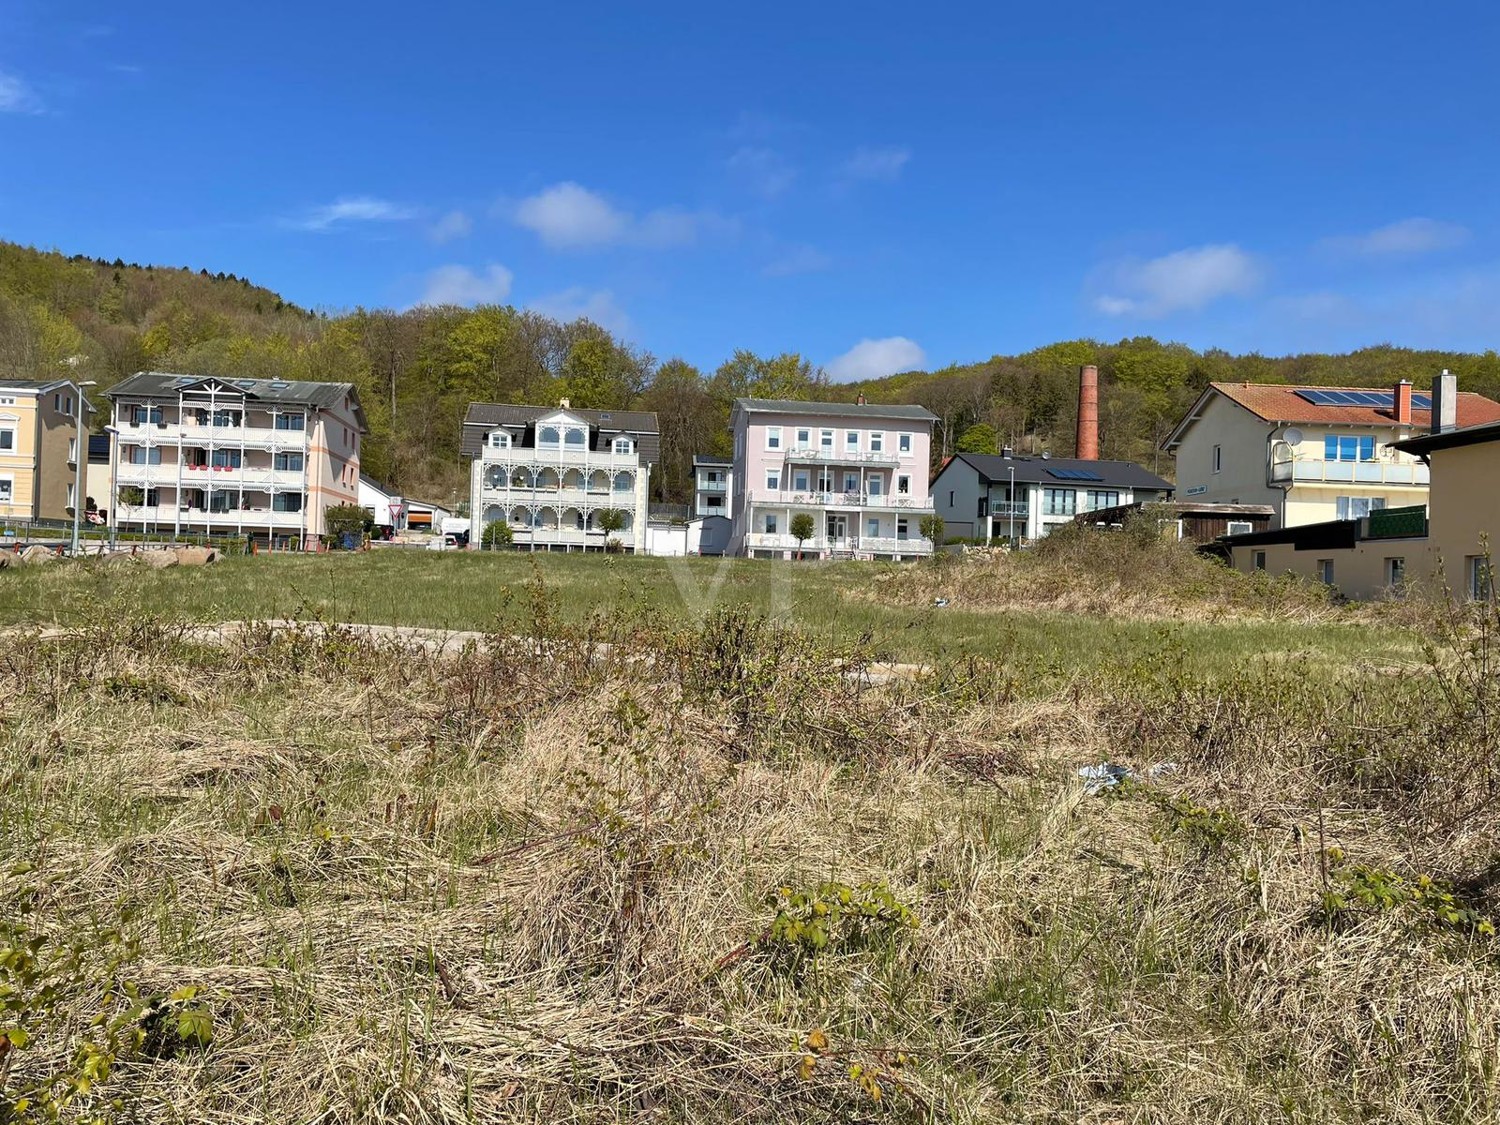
<point>552,472</point>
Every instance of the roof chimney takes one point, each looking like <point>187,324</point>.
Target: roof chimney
<point>1088,413</point>
<point>564,404</point>
<point>1444,403</point>
<point>1403,403</point>
<point>1007,453</point>
<point>861,399</point>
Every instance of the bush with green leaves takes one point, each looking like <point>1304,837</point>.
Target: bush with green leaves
<point>497,533</point>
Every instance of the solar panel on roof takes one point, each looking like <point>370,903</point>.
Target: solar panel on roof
<point>1422,402</point>
<point>1073,474</point>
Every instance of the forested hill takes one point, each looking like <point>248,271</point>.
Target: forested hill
<point>417,370</point>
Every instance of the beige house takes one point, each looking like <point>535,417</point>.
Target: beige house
<point>1449,540</point>
<point>260,458</point>
<point>39,432</point>
<point>1314,453</point>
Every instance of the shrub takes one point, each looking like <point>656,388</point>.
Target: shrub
<point>931,528</point>
<point>497,533</point>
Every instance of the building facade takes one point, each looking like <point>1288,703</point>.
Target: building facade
<point>260,458</point>
<point>860,471</point>
<point>713,486</point>
<point>1020,499</point>
<point>39,433</point>
<point>1313,453</point>
<point>552,473</point>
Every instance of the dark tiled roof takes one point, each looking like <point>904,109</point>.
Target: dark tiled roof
<point>162,384</point>
<point>711,460</point>
<point>31,384</point>
<point>994,469</point>
<point>834,409</point>
<point>604,425</point>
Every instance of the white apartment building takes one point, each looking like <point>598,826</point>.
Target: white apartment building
<point>262,458</point>
<point>859,469</point>
<point>713,486</point>
<point>552,472</point>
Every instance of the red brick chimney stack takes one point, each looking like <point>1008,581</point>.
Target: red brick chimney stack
<point>1403,403</point>
<point>1088,413</point>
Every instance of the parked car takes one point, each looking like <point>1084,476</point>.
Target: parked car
<point>444,543</point>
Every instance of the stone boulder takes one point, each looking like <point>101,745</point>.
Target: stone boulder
<point>196,556</point>
<point>158,559</point>
<point>36,554</point>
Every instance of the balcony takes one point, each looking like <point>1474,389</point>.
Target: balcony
<point>208,477</point>
<point>1315,470</point>
<point>561,458</point>
<point>816,455</point>
<point>857,544</point>
<point>558,497</point>
<point>883,501</point>
<point>191,433</point>
<point>712,486</point>
<point>169,515</point>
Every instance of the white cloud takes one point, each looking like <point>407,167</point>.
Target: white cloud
<point>1183,281</point>
<point>459,285</point>
<point>354,209</point>
<point>1404,237</point>
<point>568,216</point>
<point>873,359</point>
<point>455,224</point>
<point>16,96</point>
<point>795,260</point>
<point>763,171</point>
<point>877,163</point>
<point>599,306</point>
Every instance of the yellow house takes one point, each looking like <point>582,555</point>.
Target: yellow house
<point>1314,453</point>
<point>1450,539</point>
<point>39,432</point>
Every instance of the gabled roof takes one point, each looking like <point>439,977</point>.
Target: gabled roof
<point>1059,471</point>
<point>166,385</point>
<point>834,409</point>
<point>1281,404</point>
<point>604,426</point>
<point>1450,439</point>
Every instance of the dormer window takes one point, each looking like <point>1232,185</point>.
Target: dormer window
<point>575,439</point>
<point>500,439</point>
<point>624,446</point>
<point>548,437</point>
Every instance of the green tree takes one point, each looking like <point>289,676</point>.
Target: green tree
<point>978,439</point>
<point>496,534</point>
<point>610,520</point>
<point>931,528</point>
<point>346,519</point>
<point>802,529</point>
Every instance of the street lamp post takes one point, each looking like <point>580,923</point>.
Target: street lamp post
<point>1011,506</point>
<point>114,485</point>
<point>80,458</point>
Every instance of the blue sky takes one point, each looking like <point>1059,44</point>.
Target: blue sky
<point>877,186</point>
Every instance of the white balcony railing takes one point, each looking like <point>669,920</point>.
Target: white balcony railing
<point>820,456</point>
<point>1315,470</point>
<point>192,434</point>
<point>857,544</point>
<point>561,459</point>
<point>559,497</point>
<point>206,477</point>
<point>169,515</point>
<point>794,499</point>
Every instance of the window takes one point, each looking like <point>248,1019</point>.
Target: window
<point>1258,560</point>
<point>499,440</point>
<point>1325,571</point>
<point>773,437</point>
<point>623,482</point>
<point>901,529</point>
<point>225,458</point>
<point>68,409</point>
<point>152,498</point>
<point>851,482</point>
<point>1357,507</point>
<point>7,400</point>
<point>72,449</point>
<point>1350,448</point>
<point>851,441</point>
<point>290,421</point>
<point>825,440</point>
<point>877,442</point>
<point>226,417</point>
<point>799,480</point>
<point>57,403</point>
<point>950,498</point>
<point>1481,580</point>
<point>7,489</point>
<point>1059,501</point>
<point>71,493</point>
<point>1395,572</point>
<point>872,528</point>
<point>773,479</point>
<point>1218,458</point>
<point>770,523</point>
<point>903,443</point>
<point>548,436</point>
<point>873,485</point>
<point>804,439</point>
<point>624,447</point>
<point>144,415</point>
<point>903,485</point>
<point>576,439</point>
<point>7,438</point>
<point>286,502</point>
<point>287,462</point>
<point>1103,498</point>
<point>984,507</point>
<point>140,455</point>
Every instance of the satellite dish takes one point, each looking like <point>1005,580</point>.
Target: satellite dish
<point>1292,437</point>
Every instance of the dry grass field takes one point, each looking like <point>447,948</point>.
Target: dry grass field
<point>638,865</point>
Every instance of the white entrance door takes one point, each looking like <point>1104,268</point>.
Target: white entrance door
<point>838,532</point>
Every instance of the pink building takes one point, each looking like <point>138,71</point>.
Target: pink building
<point>860,470</point>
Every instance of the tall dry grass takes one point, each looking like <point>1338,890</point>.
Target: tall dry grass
<point>672,878</point>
